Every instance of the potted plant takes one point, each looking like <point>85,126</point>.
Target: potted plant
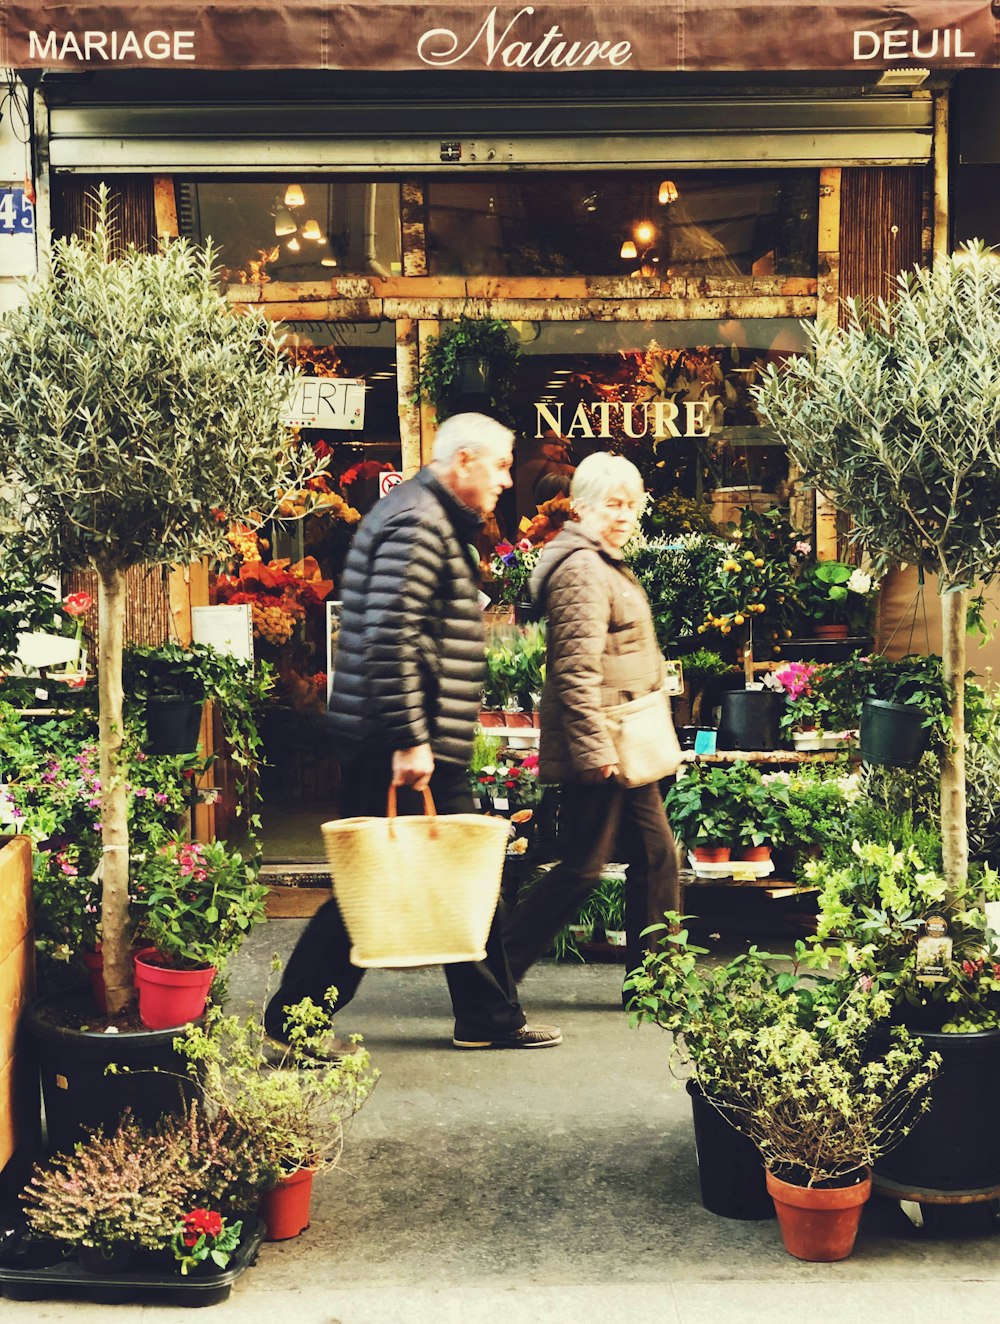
<point>675,574</point>
<point>293,1098</point>
<point>792,1063</point>
<point>836,599</point>
<point>196,903</point>
<point>907,708</point>
<point>896,417</point>
<point>818,710</point>
<point>471,364</point>
<point>171,682</point>
<point>172,451</point>
<point>701,668</point>
<point>512,567</point>
<point>706,805</point>
<point>515,673</point>
<point>877,909</point>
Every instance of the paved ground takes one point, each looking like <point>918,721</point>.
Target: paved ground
<point>544,1187</point>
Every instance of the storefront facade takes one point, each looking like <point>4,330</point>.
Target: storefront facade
<point>653,197</point>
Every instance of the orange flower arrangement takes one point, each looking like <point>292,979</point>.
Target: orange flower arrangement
<point>552,515</point>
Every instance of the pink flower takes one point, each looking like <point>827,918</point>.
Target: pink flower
<point>77,604</point>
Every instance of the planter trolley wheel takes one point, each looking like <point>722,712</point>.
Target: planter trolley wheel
<point>922,1207</point>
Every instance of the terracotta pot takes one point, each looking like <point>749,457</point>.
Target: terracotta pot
<point>818,1224</point>
<point>285,1208</point>
<point>170,997</point>
<point>711,854</point>
<point>93,959</point>
<point>755,853</point>
<point>516,719</point>
<point>831,631</point>
<point>491,717</point>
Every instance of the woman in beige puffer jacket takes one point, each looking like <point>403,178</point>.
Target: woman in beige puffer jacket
<point>602,651</point>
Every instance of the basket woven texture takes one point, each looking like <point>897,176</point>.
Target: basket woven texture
<point>416,890</point>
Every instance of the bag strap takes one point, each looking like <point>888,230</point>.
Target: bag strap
<point>429,810</point>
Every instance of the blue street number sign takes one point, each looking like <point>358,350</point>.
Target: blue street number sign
<point>17,214</point>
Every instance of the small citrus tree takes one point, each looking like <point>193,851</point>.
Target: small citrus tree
<point>897,417</point>
<point>138,414</point>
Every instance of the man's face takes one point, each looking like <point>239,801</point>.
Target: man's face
<point>480,476</point>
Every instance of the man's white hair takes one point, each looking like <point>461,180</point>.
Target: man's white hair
<point>601,475</point>
<point>468,432</point>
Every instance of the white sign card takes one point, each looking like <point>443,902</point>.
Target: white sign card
<point>337,403</point>
<point>388,480</point>
<point>226,628</point>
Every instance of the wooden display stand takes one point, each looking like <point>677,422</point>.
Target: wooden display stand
<point>18,1089</point>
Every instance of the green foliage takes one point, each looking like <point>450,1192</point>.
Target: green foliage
<point>897,417</point>
<point>674,515</point>
<point>811,806</point>
<point>874,907</point>
<point>717,805</point>
<point>135,407</point>
<point>835,593</point>
<point>196,902</point>
<point>295,1105</point>
<point>674,575</point>
<point>918,679</point>
<point>515,667</point>
<point>790,1056</point>
<point>25,603</point>
<point>469,337</point>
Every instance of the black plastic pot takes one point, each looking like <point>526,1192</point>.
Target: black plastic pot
<point>955,1145</point>
<point>172,724</point>
<point>730,1169</point>
<point>892,734</point>
<point>749,719</point>
<point>76,1089</point>
<point>474,379</point>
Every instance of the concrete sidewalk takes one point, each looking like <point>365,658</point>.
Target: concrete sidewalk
<point>549,1186</point>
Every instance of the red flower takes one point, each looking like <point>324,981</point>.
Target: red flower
<point>503,549</point>
<point>201,1222</point>
<point>219,515</point>
<point>77,604</point>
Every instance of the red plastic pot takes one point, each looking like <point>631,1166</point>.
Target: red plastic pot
<point>93,959</point>
<point>711,854</point>
<point>819,1224</point>
<point>285,1208</point>
<point>169,997</point>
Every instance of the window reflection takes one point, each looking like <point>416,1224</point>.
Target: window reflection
<point>681,223</point>
<point>295,230</point>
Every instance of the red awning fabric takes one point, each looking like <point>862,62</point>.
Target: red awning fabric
<point>548,36</point>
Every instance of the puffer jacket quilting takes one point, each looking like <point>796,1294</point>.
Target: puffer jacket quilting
<point>602,650</point>
<point>410,662</point>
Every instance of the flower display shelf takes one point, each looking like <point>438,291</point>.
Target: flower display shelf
<point>151,1279</point>
<point>738,870</point>
<point>811,741</point>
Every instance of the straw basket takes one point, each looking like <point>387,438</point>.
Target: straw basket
<point>416,890</point>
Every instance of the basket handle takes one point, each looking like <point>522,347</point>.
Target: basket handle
<point>429,810</point>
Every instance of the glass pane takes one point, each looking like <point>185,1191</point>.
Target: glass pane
<point>686,223</point>
<point>672,396</point>
<point>295,230</point>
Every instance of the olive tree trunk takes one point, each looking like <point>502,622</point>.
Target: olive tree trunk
<point>115,945</point>
<point>954,828</point>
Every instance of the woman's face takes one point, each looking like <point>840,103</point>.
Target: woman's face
<point>611,521</point>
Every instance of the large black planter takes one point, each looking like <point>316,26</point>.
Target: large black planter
<point>474,379</point>
<point>730,1169</point>
<point>172,725</point>
<point>77,1091</point>
<point>892,734</point>
<point>955,1146</point>
<point>749,719</point>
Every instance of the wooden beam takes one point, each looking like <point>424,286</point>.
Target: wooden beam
<point>828,310</point>
<point>942,239</point>
<point>407,361</point>
<point>165,207</point>
<point>414,227</point>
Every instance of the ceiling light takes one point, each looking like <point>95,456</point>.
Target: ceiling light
<point>328,261</point>
<point>562,372</point>
<point>293,245</point>
<point>628,249</point>
<point>644,232</point>
<point>294,197</point>
<point>284,222</point>
<point>589,202</point>
<point>311,230</point>
<point>668,193</point>
<point>902,80</point>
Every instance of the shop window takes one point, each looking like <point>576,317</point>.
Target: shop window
<point>685,223</point>
<point>295,230</point>
<point>290,573</point>
<point>674,397</point>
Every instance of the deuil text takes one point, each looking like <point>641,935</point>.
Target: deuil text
<point>656,419</point>
<point>911,44</point>
<point>502,44</point>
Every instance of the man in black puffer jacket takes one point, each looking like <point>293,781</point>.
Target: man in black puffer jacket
<point>406,693</point>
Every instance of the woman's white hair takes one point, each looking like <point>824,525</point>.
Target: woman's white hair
<point>468,432</point>
<point>600,475</point>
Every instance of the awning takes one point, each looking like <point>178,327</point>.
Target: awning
<point>556,36</point>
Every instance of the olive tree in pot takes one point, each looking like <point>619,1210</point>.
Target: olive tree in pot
<point>138,414</point>
<point>897,416</point>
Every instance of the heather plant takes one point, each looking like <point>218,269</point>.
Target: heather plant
<point>139,415</point>
<point>896,415</point>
